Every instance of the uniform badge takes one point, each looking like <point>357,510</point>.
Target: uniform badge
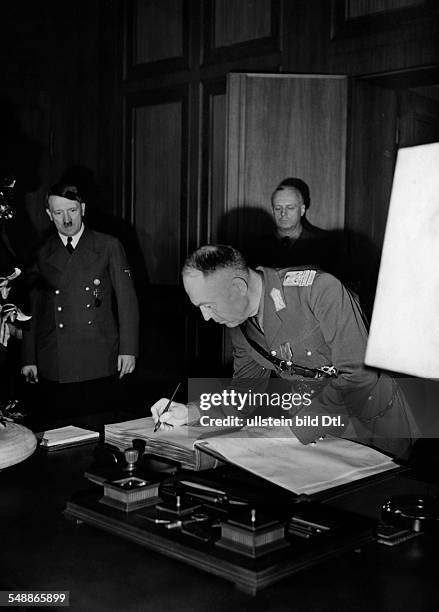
<point>97,294</point>
<point>278,300</point>
<point>299,278</point>
<point>127,271</point>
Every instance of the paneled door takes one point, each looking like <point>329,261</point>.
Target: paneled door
<point>283,126</point>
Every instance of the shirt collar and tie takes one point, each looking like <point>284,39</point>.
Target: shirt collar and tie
<point>71,242</point>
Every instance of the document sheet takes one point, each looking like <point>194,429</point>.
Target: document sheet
<point>297,467</point>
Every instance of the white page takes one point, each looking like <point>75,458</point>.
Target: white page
<point>300,468</point>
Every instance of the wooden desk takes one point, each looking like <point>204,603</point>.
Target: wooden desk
<point>42,550</point>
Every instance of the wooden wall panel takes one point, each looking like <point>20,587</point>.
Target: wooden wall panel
<point>419,120</point>
<point>371,161</point>
<point>156,185</point>
<point>218,153</point>
<point>237,21</point>
<point>212,204</point>
<point>286,126</point>
<point>213,162</point>
<point>240,28</point>
<point>158,30</point>
<point>359,8</point>
<point>318,37</point>
<point>156,36</point>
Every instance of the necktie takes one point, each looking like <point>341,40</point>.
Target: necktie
<point>69,245</point>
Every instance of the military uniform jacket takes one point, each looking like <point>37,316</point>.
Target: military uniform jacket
<point>84,309</point>
<point>309,317</point>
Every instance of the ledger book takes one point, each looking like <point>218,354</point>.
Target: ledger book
<point>273,453</point>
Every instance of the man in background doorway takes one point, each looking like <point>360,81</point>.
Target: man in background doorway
<point>296,241</point>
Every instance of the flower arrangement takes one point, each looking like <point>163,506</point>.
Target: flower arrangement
<point>16,441</point>
<point>9,312</point>
<point>9,412</point>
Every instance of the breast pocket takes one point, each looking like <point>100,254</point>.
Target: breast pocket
<point>311,350</point>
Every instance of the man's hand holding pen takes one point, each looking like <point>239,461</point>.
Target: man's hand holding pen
<point>176,415</point>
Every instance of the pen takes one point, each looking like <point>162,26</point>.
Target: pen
<point>157,425</point>
<point>157,521</point>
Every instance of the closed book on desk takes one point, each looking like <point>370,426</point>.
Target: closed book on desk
<point>64,437</point>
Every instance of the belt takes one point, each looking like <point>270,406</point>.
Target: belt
<point>288,366</point>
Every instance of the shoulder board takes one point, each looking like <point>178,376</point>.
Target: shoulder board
<point>299,278</point>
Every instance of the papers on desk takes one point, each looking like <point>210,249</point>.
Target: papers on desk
<point>297,467</point>
<point>271,453</point>
<point>63,437</point>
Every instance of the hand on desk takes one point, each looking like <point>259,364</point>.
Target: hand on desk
<point>175,416</point>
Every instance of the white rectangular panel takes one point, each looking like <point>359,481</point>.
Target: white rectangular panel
<point>404,335</point>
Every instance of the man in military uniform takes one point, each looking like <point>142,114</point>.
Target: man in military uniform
<point>84,327</point>
<point>304,325</point>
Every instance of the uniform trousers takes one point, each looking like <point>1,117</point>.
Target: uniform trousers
<point>54,404</point>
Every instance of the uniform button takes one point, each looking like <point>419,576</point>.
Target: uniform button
<point>308,353</point>
<point>88,306</point>
<point>273,353</point>
<point>61,325</point>
<point>56,291</point>
<point>59,308</point>
<point>87,288</point>
<point>89,322</point>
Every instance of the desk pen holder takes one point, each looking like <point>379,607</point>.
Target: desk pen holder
<point>130,493</point>
<point>251,535</point>
<point>178,506</point>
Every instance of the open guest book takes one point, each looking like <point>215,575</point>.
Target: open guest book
<point>273,453</point>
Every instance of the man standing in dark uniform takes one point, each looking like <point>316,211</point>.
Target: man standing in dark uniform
<point>84,327</point>
<point>305,326</point>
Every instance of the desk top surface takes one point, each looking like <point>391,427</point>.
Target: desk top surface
<point>42,550</point>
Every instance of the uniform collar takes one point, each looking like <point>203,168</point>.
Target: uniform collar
<point>75,238</point>
<point>58,256</point>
